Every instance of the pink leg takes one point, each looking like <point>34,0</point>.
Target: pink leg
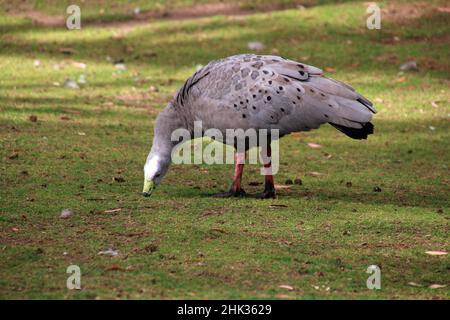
<point>236,188</point>
<point>239,160</point>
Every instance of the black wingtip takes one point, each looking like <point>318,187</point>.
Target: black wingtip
<point>367,104</point>
<point>354,133</point>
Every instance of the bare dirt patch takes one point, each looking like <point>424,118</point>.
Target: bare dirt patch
<point>193,12</point>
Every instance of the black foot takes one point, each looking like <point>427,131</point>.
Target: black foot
<point>266,194</point>
<point>230,193</point>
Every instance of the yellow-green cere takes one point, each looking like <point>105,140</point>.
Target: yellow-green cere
<point>149,186</point>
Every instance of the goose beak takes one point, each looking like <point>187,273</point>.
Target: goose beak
<point>149,186</point>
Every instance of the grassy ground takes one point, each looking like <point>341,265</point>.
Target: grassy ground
<point>88,146</point>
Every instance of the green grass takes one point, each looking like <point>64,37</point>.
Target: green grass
<point>181,243</point>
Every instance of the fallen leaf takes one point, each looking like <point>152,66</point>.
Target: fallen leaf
<point>314,174</point>
<point>111,210</point>
<point>296,134</point>
<point>314,145</point>
<point>436,253</point>
<point>281,186</point>
<point>329,69</point>
<point>437,286</point>
<point>413,284</point>
<point>274,206</point>
<point>13,155</point>
<point>77,64</point>
<point>400,79</point>
<point>109,252</point>
<point>287,287</point>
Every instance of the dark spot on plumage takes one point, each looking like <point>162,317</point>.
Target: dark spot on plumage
<point>293,102</point>
<point>244,116</point>
<point>301,73</point>
<point>259,90</point>
<point>235,105</point>
<point>270,81</point>
<point>280,88</point>
<point>254,74</point>
<point>265,71</point>
<point>265,91</point>
<point>298,89</point>
<point>269,98</point>
<point>242,102</point>
<point>254,96</point>
<point>326,116</point>
<point>312,90</point>
<point>298,97</point>
<point>278,92</point>
<point>286,79</point>
<point>254,108</point>
<point>301,66</point>
<point>282,109</point>
<point>330,106</point>
<point>322,95</point>
<point>246,100</point>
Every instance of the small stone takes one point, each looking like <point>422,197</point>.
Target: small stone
<point>288,181</point>
<point>121,66</point>
<point>409,66</point>
<point>298,181</point>
<point>376,189</point>
<point>255,46</point>
<point>71,84</point>
<point>66,213</point>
